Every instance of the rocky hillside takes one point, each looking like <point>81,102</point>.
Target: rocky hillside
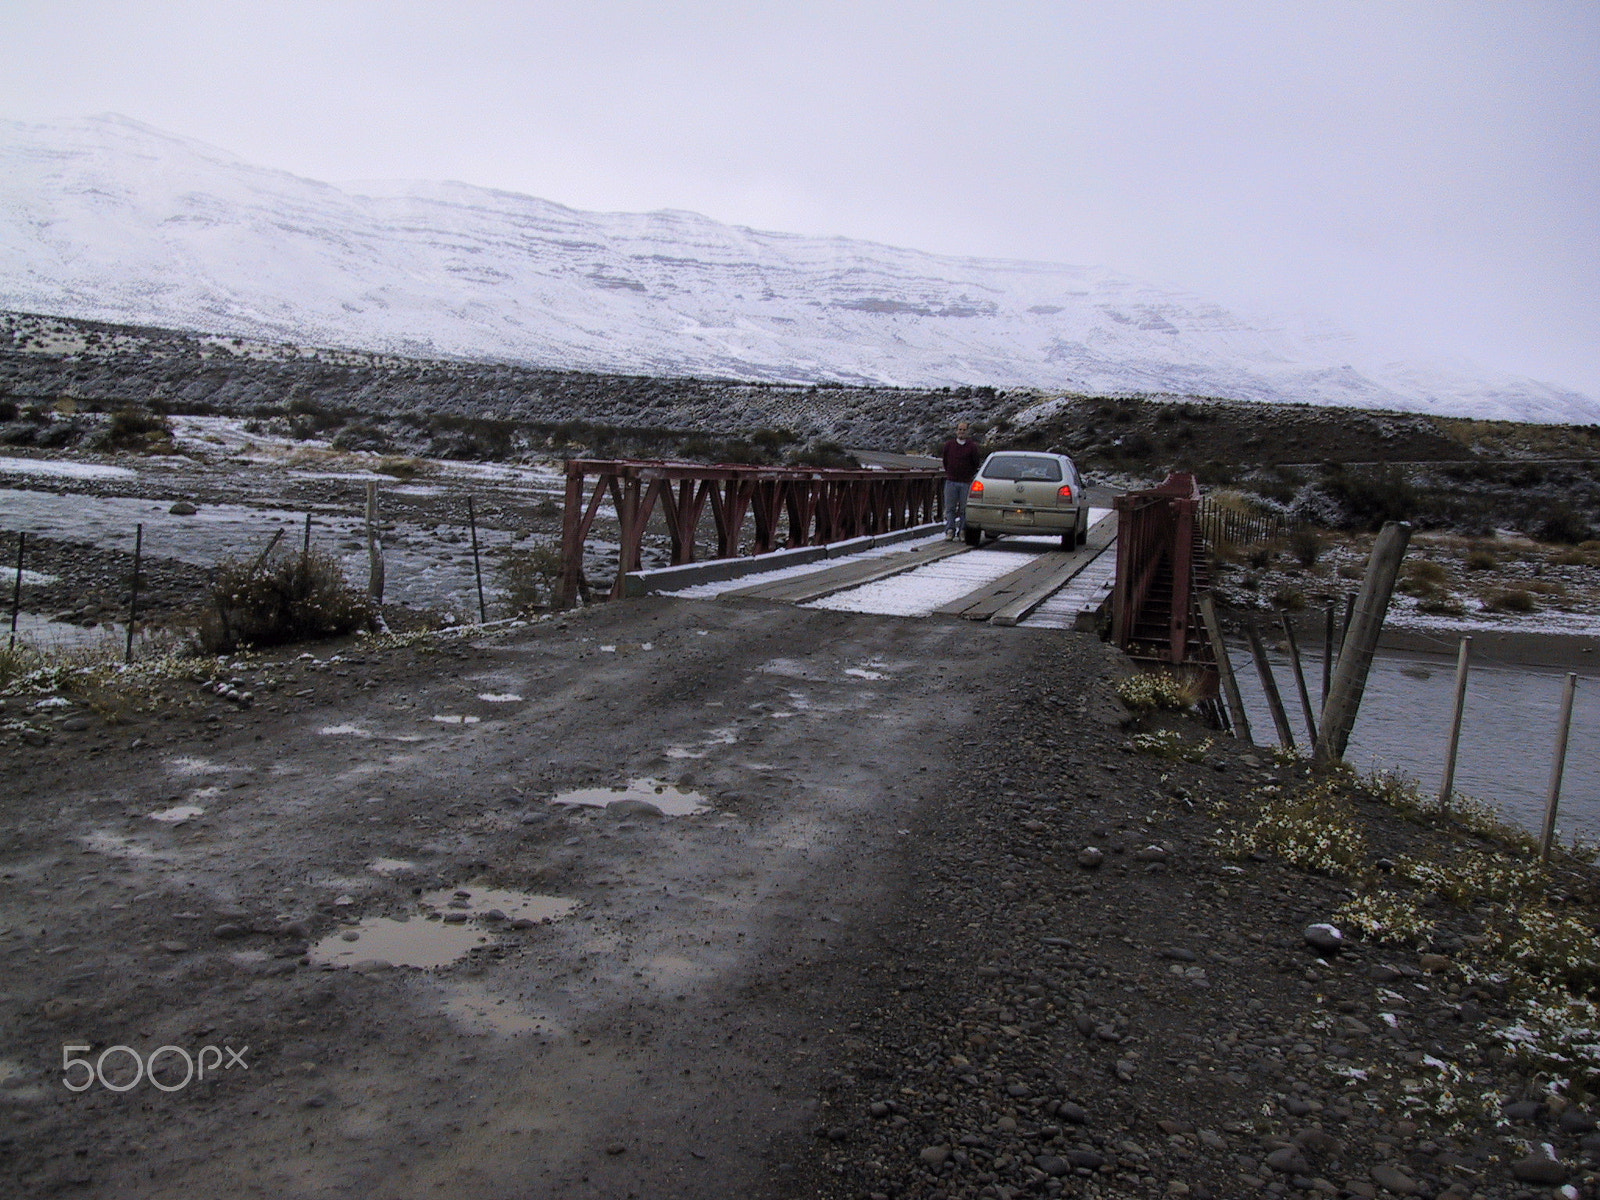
<point>111,220</point>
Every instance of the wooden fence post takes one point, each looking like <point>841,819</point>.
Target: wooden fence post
<point>133,590</point>
<point>1448,783</point>
<point>1230,685</point>
<point>16,589</point>
<point>1361,642</point>
<point>1299,678</point>
<point>1269,685</point>
<point>1556,769</point>
<point>374,546</point>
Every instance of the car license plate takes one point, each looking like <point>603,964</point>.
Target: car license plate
<point>1019,516</point>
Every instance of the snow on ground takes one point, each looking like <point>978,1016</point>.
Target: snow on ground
<point>917,593</point>
<point>61,469</point>
<point>701,591</point>
<point>422,568</point>
<point>1585,624</point>
<point>1084,591</point>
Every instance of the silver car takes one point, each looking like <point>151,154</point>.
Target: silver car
<point>1026,491</point>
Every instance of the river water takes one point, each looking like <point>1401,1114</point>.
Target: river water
<point>1508,730</point>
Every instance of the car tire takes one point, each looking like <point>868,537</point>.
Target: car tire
<point>972,536</point>
<point>1069,539</point>
<point>1083,533</point>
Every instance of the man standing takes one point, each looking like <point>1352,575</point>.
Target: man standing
<point>961,459</point>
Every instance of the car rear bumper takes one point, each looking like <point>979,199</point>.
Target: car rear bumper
<point>995,518</point>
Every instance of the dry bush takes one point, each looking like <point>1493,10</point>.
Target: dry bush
<point>1480,559</point>
<point>288,598</point>
<point>1306,546</point>
<point>1517,600</point>
<point>529,576</point>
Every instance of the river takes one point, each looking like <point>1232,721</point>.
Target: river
<point>1508,731</point>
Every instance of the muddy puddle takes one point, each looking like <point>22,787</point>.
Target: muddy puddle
<point>669,799</point>
<point>447,926</point>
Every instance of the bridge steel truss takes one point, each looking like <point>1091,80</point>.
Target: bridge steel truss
<point>784,507</point>
<point>1160,573</point>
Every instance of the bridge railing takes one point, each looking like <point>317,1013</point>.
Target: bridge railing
<point>1157,536</point>
<point>754,509</point>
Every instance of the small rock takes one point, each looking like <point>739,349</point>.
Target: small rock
<point>75,724</point>
<point>1150,854</point>
<point>183,509</point>
<point>1090,857</point>
<point>1289,1161</point>
<point>1050,1164</point>
<point>228,931</point>
<point>1087,1159</point>
<point>1576,1120</point>
<point>175,947</point>
<point>1395,1180</point>
<point>1435,963</point>
<point>935,1156</point>
<point>1540,1168</point>
<point>1521,1111</point>
<point>1323,938</point>
<point>616,1148</point>
<point>1317,1141</point>
<point>1072,1113</point>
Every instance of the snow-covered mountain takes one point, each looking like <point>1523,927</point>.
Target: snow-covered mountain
<point>110,220</point>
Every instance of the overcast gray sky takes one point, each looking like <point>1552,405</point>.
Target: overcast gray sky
<point>1428,174</point>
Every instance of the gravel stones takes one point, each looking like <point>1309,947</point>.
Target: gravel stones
<point>1090,857</point>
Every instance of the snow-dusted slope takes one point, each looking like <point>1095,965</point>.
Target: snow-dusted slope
<point>111,220</point>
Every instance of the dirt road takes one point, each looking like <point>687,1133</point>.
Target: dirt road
<point>660,1039</point>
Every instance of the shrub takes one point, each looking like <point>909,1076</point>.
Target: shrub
<point>289,598</point>
<point>824,454</point>
<point>1549,946</point>
<point>1565,525</point>
<point>1313,827</point>
<point>1306,546</point>
<point>1151,690</point>
<point>1479,559</point>
<point>1289,599</point>
<point>529,576</point>
<point>1475,876</point>
<point>1512,600</point>
<point>1385,917</point>
<point>1371,498</point>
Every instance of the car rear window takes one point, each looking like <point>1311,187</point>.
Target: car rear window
<point>1022,466</point>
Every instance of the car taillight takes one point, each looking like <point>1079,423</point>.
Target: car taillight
<point>977,488</point>
<point>1065,493</point>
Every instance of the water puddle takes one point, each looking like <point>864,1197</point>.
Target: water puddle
<point>684,752</point>
<point>416,942</point>
<point>344,731</point>
<point>864,673</point>
<point>666,798</point>
<point>448,925</point>
<point>500,698</point>
<point>178,814</point>
<point>518,909</point>
<point>390,866</point>
<point>451,719</point>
